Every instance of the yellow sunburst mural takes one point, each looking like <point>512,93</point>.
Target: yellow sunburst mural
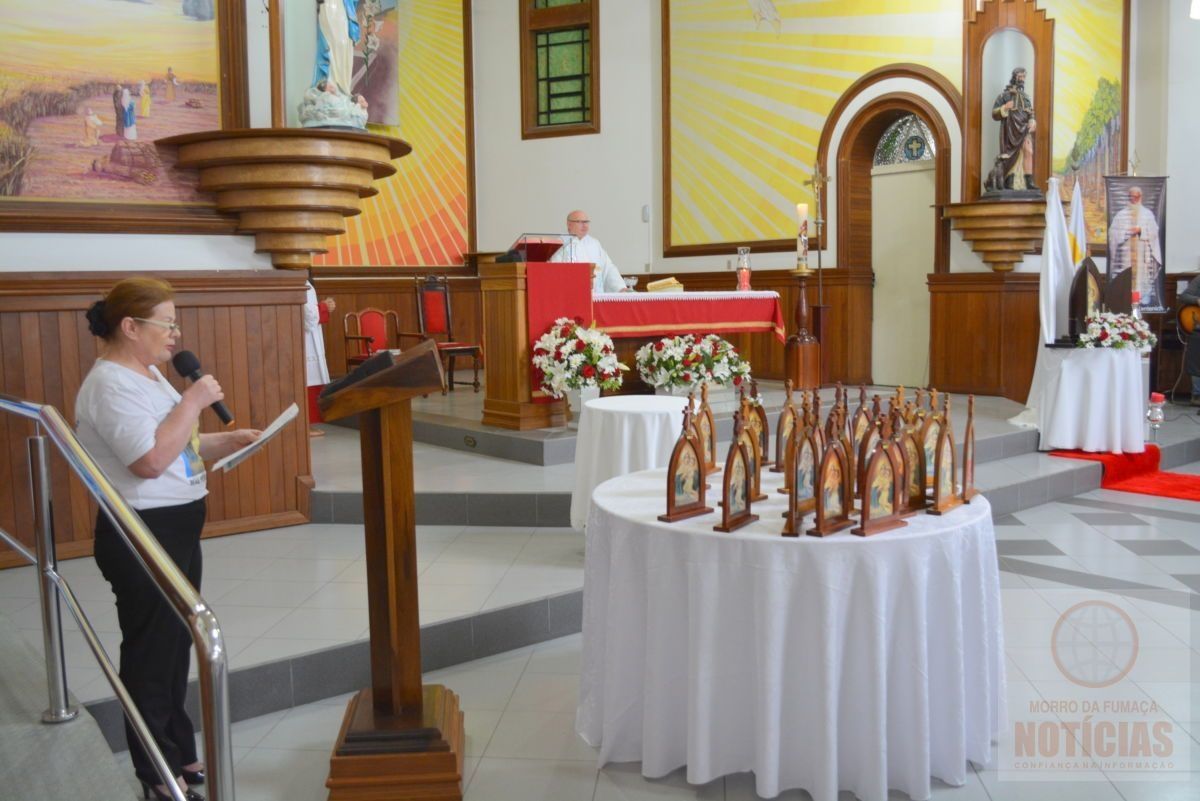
<point>1088,66</point>
<point>421,215</point>
<point>752,82</point>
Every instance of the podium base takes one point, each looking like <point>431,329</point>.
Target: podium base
<point>380,758</point>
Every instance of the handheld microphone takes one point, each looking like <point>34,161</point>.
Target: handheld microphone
<point>188,366</point>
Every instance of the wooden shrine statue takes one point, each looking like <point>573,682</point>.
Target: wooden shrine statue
<point>928,435</point>
<point>834,490</point>
<point>914,473</point>
<point>760,425</point>
<point>831,422</point>
<point>816,419</point>
<point>685,474</point>
<point>860,418</point>
<point>706,432</point>
<point>945,497</point>
<point>866,447</point>
<point>968,453</point>
<point>783,430</point>
<point>1085,299</point>
<point>802,461</point>
<point>803,423</point>
<point>753,442</point>
<point>881,477</point>
<point>919,410</point>
<point>736,484</point>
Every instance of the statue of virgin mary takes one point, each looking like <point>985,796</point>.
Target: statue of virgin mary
<point>337,32</point>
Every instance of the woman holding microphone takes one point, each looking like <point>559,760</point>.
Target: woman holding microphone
<point>145,437</point>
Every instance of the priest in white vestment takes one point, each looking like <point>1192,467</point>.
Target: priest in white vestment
<point>581,247</point>
<point>1134,244</point>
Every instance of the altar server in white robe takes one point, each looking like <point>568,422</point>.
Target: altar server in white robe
<point>316,371</point>
<point>583,248</point>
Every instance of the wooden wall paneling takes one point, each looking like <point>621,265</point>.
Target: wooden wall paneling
<point>983,333</point>
<point>246,325</point>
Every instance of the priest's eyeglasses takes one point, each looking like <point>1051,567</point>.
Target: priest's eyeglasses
<point>166,325</point>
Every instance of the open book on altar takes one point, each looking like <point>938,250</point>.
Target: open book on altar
<point>237,457</point>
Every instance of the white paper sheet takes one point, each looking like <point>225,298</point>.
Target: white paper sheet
<point>237,457</point>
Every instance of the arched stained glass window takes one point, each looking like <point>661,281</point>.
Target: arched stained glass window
<point>906,139</point>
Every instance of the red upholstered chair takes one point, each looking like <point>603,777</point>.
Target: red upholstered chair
<point>366,332</point>
<point>436,323</point>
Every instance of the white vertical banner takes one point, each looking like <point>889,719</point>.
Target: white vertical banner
<point>1057,269</point>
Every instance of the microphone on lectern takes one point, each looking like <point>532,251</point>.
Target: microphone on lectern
<point>188,366</point>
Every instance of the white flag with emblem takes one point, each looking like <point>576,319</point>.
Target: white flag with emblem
<point>1057,268</point>
<point>1077,228</point>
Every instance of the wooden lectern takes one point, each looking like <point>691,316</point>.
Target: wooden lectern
<point>508,400</point>
<point>399,739</point>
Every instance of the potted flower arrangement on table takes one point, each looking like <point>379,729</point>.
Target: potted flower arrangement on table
<point>1108,330</point>
<point>576,362</point>
<point>680,364</point>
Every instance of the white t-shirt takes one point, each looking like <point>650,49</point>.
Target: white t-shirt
<point>117,412</point>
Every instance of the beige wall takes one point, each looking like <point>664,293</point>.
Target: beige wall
<point>902,240</point>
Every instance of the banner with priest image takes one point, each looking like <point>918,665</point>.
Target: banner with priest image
<point>1137,218</point>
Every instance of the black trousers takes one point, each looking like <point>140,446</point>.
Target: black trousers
<point>155,644</point>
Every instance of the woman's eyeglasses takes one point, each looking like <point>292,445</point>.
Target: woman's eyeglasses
<point>163,324</point>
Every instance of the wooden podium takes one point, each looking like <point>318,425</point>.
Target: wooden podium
<point>508,400</point>
<point>399,739</point>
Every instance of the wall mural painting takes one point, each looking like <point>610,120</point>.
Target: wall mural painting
<point>752,83</point>
<point>751,86</point>
<point>86,88</point>
<point>1088,67</point>
<point>421,215</point>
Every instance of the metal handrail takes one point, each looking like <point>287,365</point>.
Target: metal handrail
<point>192,609</point>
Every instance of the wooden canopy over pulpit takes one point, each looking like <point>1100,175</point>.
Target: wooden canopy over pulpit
<point>399,739</point>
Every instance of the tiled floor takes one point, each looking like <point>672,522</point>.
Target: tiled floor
<point>519,710</point>
<point>299,589</point>
<point>293,590</point>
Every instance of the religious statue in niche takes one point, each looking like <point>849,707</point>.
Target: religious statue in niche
<point>329,103</point>
<point>1013,171</point>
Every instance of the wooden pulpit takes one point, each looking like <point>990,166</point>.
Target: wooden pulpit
<point>399,739</point>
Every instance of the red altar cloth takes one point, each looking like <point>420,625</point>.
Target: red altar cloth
<point>649,314</point>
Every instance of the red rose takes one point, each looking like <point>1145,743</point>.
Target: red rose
<point>737,380</point>
<point>658,345</point>
<point>1124,335</point>
<point>539,351</point>
<point>580,345</point>
<point>1103,335</point>
<point>588,371</point>
<point>687,376</point>
<point>565,331</point>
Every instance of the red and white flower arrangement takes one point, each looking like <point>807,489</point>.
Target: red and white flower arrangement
<point>689,361</point>
<point>1107,330</point>
<point>573,356</point>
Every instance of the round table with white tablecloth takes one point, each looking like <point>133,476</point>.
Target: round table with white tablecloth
<point>619,435</point>
<point>836,663</point>
<point>1092,400</point>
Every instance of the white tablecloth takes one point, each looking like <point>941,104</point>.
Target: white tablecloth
<point>842,663</point>
<point>1092,400</point>
<point>619,435</point>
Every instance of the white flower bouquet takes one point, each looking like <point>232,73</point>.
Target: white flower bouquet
<point>572,356</point>
<point>1107,330</point>
<point>688,361</point>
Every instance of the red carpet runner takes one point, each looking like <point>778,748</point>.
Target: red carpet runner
<point>1138,472</point>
